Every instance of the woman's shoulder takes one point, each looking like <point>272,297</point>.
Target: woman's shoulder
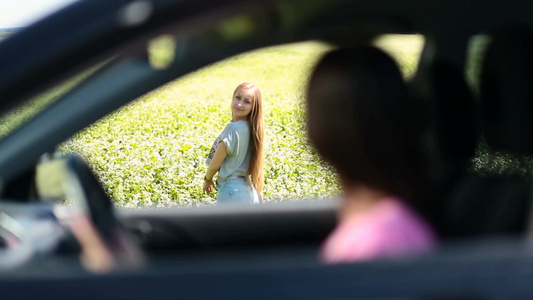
<point>396,216</point>
<point>238,126</point>
<point>390,229</point>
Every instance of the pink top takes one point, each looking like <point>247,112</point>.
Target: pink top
<point>388,229</point>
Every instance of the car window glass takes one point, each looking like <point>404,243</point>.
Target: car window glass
<point>404,48</point>
<point>15,15</point>
<point>475,53</point>
<point>162,51</point>
<point>152,152</point>
<point>5,33</point>
<point>487,160</point>
<point>16,117</point>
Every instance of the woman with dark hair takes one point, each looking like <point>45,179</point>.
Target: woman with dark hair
<point>361,121</point>
<point>237,154</point>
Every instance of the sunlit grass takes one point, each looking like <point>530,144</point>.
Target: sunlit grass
<point>152,152</point>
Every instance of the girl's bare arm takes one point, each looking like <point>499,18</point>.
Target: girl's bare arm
<point>220,154</point>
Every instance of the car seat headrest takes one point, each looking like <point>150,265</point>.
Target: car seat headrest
<point>452,116</point>
<point>506,91</point>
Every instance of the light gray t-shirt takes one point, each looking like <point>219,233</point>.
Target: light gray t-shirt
<point>236,136</point>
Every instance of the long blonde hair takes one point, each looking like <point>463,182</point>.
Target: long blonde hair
<point>256,122</point>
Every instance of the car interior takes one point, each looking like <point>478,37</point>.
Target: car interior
<point>266,251</point>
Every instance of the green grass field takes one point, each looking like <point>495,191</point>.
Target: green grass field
<point>152,152</point>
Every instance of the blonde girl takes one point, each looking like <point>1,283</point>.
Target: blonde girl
<point>237,153</point>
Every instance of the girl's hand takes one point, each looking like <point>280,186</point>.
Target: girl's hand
<point>209,186</point>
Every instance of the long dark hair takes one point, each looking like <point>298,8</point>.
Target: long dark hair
<point>360,119</point>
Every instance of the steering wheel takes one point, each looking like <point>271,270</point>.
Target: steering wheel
<point>105,244</point>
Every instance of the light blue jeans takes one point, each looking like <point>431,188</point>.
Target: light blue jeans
<point>236,191</point>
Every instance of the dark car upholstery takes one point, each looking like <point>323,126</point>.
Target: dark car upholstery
<point>491,204</point>
<point>453,130</point>
<point>507,91</point>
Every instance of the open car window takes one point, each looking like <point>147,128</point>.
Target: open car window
<point>486,160</point>
<point>152,152</point>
